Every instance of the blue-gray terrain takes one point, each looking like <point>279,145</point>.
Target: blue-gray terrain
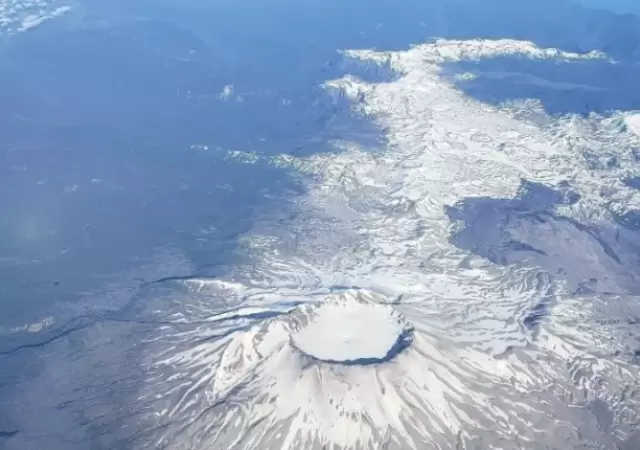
<point>325,224</point>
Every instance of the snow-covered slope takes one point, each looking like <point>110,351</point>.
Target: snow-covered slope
<point>469,285</point>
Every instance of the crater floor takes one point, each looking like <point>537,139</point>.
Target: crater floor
<point>352,333</point>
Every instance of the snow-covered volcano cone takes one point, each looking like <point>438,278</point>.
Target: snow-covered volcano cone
<point>348,371</point>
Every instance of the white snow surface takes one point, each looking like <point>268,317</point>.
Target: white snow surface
<point>392,232</point>
<point>633,122</point>
<point>349,331</point>
<point>21,15</point>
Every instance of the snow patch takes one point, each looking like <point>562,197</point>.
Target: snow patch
<point>17,16</point>
<point>633,123</point>
<point>226,92</point>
